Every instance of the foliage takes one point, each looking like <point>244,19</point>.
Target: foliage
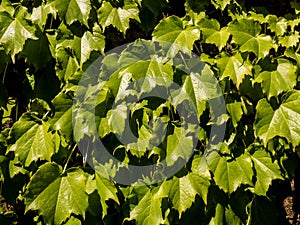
<point>46,47</point>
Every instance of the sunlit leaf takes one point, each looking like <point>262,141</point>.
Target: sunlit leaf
<point>283,121</point>
<point>57,195</point>
<point>179,36</point>
<point>33,141</point>
<point>246,33</point>
<point>118,17</point>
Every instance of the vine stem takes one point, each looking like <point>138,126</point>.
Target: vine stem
<point>72,151</point>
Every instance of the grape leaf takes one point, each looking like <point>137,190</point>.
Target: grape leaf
<point>73,221</point>
<point>196,6</point>
<point>66,62</point>
<point>229,174</point>
<point>183,191</point>
<point>291,53</point>
<point>221,3</point>
<point>218,217</point>
<point>15,30</point>
<point>106,190</point>
<point>86,44</point>
<point>289,40</point>
<point>6,6</point>
<point>73,10</point>
<point>246,34</point>
<point>37,52</point>
<point>57,195</point>
<point>62,120</point>
<point>179,36</point>
<point>33,141</point>
<point>234,67</point>
<point>283,122</point>
<point>279,80</point>
<point>236,112</point>
<point>277,25</point>
<point>262,210</point>
<point>40,14</point>
<point>212,32</point>
<point>118,17</point>
<point>179,145</point>
<point>148,211</point>
<point>266,171</point>
<point>154,6</point>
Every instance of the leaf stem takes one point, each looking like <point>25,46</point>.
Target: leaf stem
<point>69,158</point>
<point>183,60</point>
<point>51,21</point>
<point>4,74</point>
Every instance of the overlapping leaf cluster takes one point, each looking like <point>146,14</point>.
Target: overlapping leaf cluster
<point>45,48</point>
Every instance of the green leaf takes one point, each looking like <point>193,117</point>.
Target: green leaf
<point>234,67</point>
<point>236,112</point>
<point>73,221</point>
<point>218,219</point>
<point>118,117</point>
<point>62,120</point>
<point>246,34</point>
<point>221,3</point>
<point>225,216</point>
<point>33,141</point>
<point>280,80</point>
<point>106,190</point>
<point>118,17</point>
<point>40,14</point>
<point>196,6</point>
<point>84,46</point>
<point>291,53</point>
<point>179,145</point>
<point>231,218</point>
<point>262,210</point>
<point>55,195</point>
<point>155,6</point>
<point>283,122</point>
<point>37,52</point>
<point>266,171</point>
<point>290,40</point>
<point>277,25</point>
<point>6,6</point>
<point>15,30</point>
<point>66,62</point>
<point>148,211</point>
<point>173,31</point>
<point>73,10</point>
<point>229,173</point>
<point>212,32</point>
<point>183,191</point>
